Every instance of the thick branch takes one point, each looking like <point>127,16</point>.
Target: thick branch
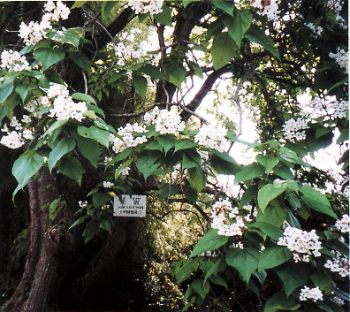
<point>206,87</point>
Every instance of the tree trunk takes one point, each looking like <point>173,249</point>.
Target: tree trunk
<point>44,269</point>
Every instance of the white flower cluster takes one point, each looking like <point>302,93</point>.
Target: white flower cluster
<point>34,32</point>
<point>126,137</point>
<point>343,225</point>
<point>337,6</point>
<point>125,171</point>
<point>270,9</point>
<point>146,6</point>
<point>107,184</point>
<point>313,294</point>
<point>16,137</point>
<point>12,60</point>
<point>64,107</point>
<point>341,58</point>
<point>168,121</point>
<point>323,106</point>
<point>294,129</point>
<point>134,44</point>
<point>339,265</point>
<point>222,215</point>
<point>338,301</point>
<point>212,137</point>
<point>302,244</point>
<point>317,30</point>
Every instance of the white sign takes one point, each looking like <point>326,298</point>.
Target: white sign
<point>130,206</point>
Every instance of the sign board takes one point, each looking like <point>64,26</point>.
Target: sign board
<point>130,206</point>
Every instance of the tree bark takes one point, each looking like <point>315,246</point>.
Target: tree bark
<point>45,263</point>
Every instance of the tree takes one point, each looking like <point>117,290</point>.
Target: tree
<point>97,114</point>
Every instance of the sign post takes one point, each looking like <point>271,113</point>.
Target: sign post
<point>130,206</point>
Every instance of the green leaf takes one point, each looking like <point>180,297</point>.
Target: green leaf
<point>78,4</point>
<point>196,178</point>
<point>184,144</point>
<point>56,125</point>
<point>26,166</point>
<point>202,289</point>
<point>216,268</point>
<point>269,192</point>
<point>166,142</point>
<point>223,50</point>
<point>218,280</point>
<point>245,261</point>
<point>249,173</point>
<point>272,257</point>
<point>63,147</point>
<point>247,196</point>
<point>238,25</point>
<point>323,281</point>
<point>210,241</point>
<point>99,199</point>
<point>164,18</point>
<point>226,6</point>
<point>317,201</point>
<point>80,60</point>
<point>279,302</point>
<point>83,97</point>
<point>89,149</point>
<point>6,88</point>
<point>223,163</point>
<point>23,91</point>
<point>94,133</point>
<point>174,72</point>
<point>54,208</point>
<point>272,215</point>
<point>183,269</point>
<point>258,36</point>
<point>148,164</point>
<point>140,85</point>
<point>292,276</point>
<point>190,160</point>
<point>268,162</point>
<point>268,229</point>
<point>185,3</point>
<point>106,11</point>
<point>195,69</point>
<point>71,167</point>
<point>151,70</point>
<point>48,56</point>
<point>289,155</point>
<point>70,36</point>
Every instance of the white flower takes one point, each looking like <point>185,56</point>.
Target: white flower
<point>56,90</point>
<point>270,10</point>
<point>226,220</point>
<point>169,121</point>
<point>212,137</point>
<point>66,108</point>
<point>27,134</point>
<point>317,30</point>
<point>313,294</point>
<point>341,58</point>
<point>146,6</point>
<point>127,137</point>
<point>13,140</point>
<point>12,60</point>
<point>343,225</point>
<point>33,32</point>
<point>302,244</point>
<point>82,203</point>
<point>338,301</point>
<point>339,265</point>
<point>107,184</point>
<point>293,129</point>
